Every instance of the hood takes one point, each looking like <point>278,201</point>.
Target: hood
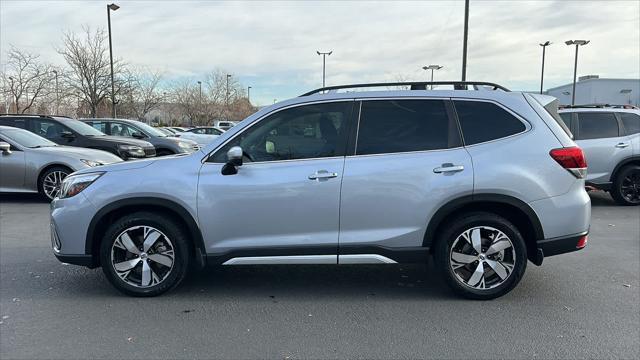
<point>202,139</point>
<point>123,165</point>
<point>123,140</point>
<point>80,153</point>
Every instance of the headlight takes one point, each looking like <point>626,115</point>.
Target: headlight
<point>185,145</point>
<point>91,163</point>
<point>74,184</point>
<point>132,150</point>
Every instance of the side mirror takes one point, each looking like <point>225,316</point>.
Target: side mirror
<point>5,148</point>
<point>67,135</point>
<point>138,135</point>
<point>234,159</point>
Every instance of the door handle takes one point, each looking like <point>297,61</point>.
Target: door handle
<point>622,145</point>
<point>448,167</point>
<point>322,174</point>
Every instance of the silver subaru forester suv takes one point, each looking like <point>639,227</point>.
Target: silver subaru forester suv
<point>478,177</point>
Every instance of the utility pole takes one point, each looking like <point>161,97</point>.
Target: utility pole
<point>577,43</point>
<point>464,41</point>
<point>110,7</point>
<point>544,46</point>
<point>324,58</point>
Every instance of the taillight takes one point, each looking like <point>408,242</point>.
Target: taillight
<point>572,159</point>
<point>582,242</point>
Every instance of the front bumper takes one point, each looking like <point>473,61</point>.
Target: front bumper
<point>70,220</point>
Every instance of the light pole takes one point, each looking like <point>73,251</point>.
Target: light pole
<point>110,7</point>
<point>55,72</point>
<point>11,79</point>
<point>432,67</point>
<point>464,41</point>
<point>544,47</point>
<point>249,94</point>
<point>577,43</point>
<point>324,63</point>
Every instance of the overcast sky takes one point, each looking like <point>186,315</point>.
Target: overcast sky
<point>272,45</point>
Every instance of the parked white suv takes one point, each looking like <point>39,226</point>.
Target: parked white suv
<point>610,138</point>
<point>482,180</point>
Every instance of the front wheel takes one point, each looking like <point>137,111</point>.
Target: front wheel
<point>481,255</point>
<point>145,254</point>
<point>50,181</point>
<point>626,186</point>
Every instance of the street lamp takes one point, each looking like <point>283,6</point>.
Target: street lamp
<point>111,7</point>
<point>199,101</point>
<point>249,94</point>
<point>432,67</point>
<point>577,43</point>
<point>464,40</point>
<point>57,98</point>
<point>324,58</point>
<point>11,79</point>
<point>544,46</point>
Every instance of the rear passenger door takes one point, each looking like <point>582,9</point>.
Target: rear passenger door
<point>598,134</point>
<point>407,160</point>
<point>631,124</point>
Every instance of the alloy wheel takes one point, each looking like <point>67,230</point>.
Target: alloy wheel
<point>142,256</point>
<point>630,187</point>
<point>52,182</point>
<point>482,258</point>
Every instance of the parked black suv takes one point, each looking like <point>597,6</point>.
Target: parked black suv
<point>71,132</point>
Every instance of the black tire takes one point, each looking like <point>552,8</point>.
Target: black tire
<point>168,227</point>
<point>453,229</point>
<point>627,176</point>
<point>65,171</point>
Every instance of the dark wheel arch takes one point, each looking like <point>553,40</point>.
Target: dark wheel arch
<point>632,160</point>
<point>509,207</point>
<point>117,209</point>
<point>164,151</point>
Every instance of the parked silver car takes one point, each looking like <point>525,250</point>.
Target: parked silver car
<point>30,163</point>
<point>610,138</point>
<point>482,180</point>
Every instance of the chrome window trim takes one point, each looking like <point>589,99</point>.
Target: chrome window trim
<point>527,125</point>
<point>405,152</point>
<point>208,155</point>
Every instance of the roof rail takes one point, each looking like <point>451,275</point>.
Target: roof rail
<point>599,106</point>
<point>415,85</point>
<point>37,115</point>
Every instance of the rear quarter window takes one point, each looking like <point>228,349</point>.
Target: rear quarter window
<point>19,123</point>
<point>631,122</point>
<point>484,121</point>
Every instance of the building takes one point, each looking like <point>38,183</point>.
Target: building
<point>592,89</point>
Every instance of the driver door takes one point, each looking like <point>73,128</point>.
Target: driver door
<point>283,204</point>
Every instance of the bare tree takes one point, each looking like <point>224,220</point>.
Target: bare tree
<point>89,72</point>
<point>26,79</point>
<point>185,95</point>
<point>141,92</point>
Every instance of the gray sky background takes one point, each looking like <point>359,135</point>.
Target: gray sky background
<point>271,45</point>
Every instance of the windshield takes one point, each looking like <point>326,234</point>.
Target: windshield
<point>27,139</point>
<point>150,130</point>
<point>82,128</point>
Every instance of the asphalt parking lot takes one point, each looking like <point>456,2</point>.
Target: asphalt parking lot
<point>580,305</point>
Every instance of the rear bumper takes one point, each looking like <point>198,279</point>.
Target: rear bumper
<point>559,245</point>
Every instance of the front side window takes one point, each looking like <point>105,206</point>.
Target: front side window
<point>303,132</point>
<point>47,129</point>
<point>597,125</point>
<point>98,125</point>
<point>120,129</point>
<point>484,121</point>
<point>393,126</point>
<point>631,122</point>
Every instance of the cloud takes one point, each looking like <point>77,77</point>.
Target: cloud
<point>271,45</point>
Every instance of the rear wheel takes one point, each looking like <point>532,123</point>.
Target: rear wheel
<point>481,255</point>
<point>50,181</point>
<point>626,186</point>
<point>145,254</point>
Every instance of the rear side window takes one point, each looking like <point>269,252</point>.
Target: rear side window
<point>631,122</point>
<point>484,121</point>
<point>19,123</point>
<point>392,126</point>
<point>566,119</point>
<point>597,125</point>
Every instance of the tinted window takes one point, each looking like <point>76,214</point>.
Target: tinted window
<point>595,125</point>
<point>392,126</point>
<point>484,121</point>
<point>566,118</point>
<point>121,129</point>
<point>303,132</point>
<point>80,127</point>
<point>19,123</point>
<point>47,129</point>
<point>631,122</point>
<point>98,125</point>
